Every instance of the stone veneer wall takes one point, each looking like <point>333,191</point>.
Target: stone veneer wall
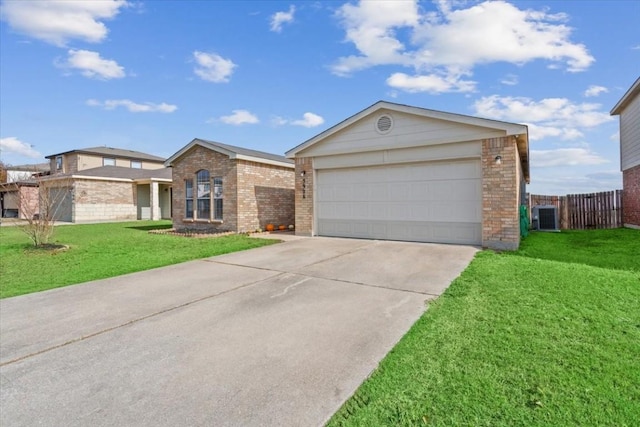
<point>500,191</point>
<point>218,165</point>
<point>304,196</point>
<point>631,197</point>
<point>265,195</point>
<point>102,200</point>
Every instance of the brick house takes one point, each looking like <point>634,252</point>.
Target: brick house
<point>628,108</point>
<point>108,184</point>
<point>222,187</point>
<point>19,189</point>
<point>397,172</point>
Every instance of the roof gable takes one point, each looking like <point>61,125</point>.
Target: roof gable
<point>232,152</point>
<point>482,126</point>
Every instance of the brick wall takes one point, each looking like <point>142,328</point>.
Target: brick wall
<point>29,201</point>
<point>217,164</point>
<point>500,188</point>
<point>631,196</point>
<point>304,196</point>
<point>99,200</point>
<point>265,195</point>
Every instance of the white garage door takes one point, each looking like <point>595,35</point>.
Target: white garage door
<point>425,202</point>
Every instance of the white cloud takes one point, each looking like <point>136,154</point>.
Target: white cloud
<point>615,137</point>
<point>430,83</point>
<point>12,145</point>
<point>309,120</point>
<point>565,157</point>
<point>278,121</point>
<point>574,181</point>
<point>594,90</point>
<point>92,65</point>
<point>509,80</point>
<point>557,117</point>
<point>444,45</point>
<point>58,21</point>
<point>280,18</point>
<point>240,117</point>
<point>212,67</point>
<point>370,26</point>
<point>133,107</point>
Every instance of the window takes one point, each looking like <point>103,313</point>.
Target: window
<point>188,188</point>
<point>136,164</point>
<point>59,163</point>
<point>108,161</point>
<point>203,195</point>
<point>217,198</point>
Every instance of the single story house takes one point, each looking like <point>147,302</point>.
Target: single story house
<point>628,108</point>
<point>220,187</point>
<point>398,172</point>
<point>107,184</point>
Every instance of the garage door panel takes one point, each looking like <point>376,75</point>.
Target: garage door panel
<point>430,202</point>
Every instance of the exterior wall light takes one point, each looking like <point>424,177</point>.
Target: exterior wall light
<point>498,160</point>
<point>303,173</point>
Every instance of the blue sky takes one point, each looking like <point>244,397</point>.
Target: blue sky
<point>267,75</point>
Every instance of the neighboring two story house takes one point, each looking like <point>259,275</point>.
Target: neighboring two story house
<point>108,184</point>
<point>628,108</point>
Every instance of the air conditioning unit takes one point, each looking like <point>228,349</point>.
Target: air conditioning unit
<point>545,218</point>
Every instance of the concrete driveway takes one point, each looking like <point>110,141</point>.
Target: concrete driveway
<point>279,335</point>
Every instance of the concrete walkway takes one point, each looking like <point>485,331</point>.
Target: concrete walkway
<point>280,335</point>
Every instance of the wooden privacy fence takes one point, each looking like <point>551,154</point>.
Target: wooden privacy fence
<point>584,211</point>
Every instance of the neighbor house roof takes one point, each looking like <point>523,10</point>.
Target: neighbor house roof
<point>519,130</point>
<point>36,167</point>
<point>629,96</point>
<point>113,152</point>
<point>233,152</point>
<point>120,173</point>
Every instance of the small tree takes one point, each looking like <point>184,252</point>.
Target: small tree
<point>42,208</point>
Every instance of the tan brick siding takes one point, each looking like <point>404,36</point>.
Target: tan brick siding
<point>265,195</point>
<point>254,194</point>
<point>500,191</point>
<point>631,196</point>
<point>98,200</point>
<point>304,196</point>
<point>217,164</point>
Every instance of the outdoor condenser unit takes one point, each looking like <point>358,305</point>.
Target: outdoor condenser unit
<point>545,218</point>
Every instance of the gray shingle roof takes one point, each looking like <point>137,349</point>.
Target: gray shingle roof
<point>122,172</point>
<point>245,151</point>
<point>113,152</point>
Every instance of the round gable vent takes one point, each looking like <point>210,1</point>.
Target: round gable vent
<point>384,124</point>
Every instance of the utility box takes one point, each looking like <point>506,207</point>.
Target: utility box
<point>545,218</point>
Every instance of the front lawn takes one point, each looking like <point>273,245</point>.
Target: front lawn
<point>548,336</point>
<point>98,251</point>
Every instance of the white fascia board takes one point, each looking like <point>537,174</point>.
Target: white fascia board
<point>101,178</point>
<point>633,91</point>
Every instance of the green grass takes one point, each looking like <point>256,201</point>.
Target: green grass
<point>98,251</point>
<point>548,336</point>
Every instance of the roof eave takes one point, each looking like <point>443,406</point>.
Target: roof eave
<point>629,95</point>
